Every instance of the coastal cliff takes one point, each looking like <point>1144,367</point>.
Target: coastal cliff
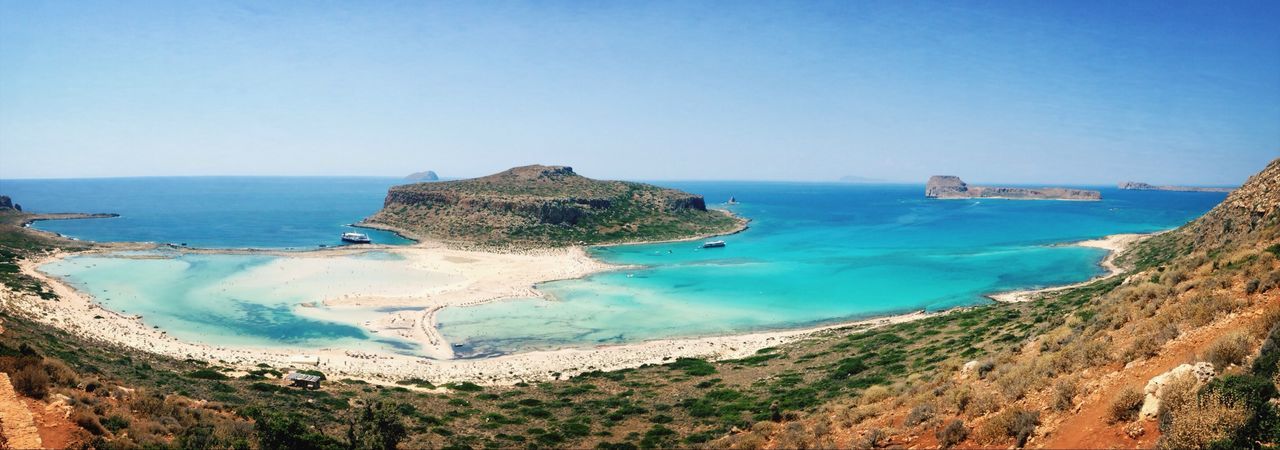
<point>1139,186</point>
<point>950,187</point>
<point>547,206</point>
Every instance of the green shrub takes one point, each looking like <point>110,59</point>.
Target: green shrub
<point>465,386</point>
<point>207,374</point>
<point>693,366</point>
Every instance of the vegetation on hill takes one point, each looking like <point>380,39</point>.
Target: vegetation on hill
<point>547,206</point>
<point>1060,371</point>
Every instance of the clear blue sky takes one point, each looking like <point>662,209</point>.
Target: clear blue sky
<point>1013,91</point>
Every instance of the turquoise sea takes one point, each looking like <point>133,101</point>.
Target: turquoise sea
<point>815,253</point>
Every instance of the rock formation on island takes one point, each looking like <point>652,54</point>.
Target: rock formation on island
<point>1139,186</point>
<point>547,206</point>
<point>422,176</point>
<point>946,186</point>
<point>7,203</point>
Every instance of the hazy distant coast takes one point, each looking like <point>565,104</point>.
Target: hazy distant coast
<point>1139,186</point>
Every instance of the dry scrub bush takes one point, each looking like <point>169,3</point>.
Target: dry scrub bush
<point>1010,423</point>
<point>1018,379</point>
<point>1203,420</point>
<point>1203,309</point>
<point>795,436</point>
<point>854,416</point>
<point>956,400</point>
<point>60,374</point>
<point>875,394</point>
<point>1174,276</point>
<point>875,437</point>
<point>1124,407</point>
<point>1228,350</point>
<point>984,402</point>
<point>952,434</point>
<point>747,440</point>
<point>1064,393</point>
<point>1148,338</point>
<point>89,421</point>
<point>918,415</point>
<point>31,381</point>
<point>1178,392</point>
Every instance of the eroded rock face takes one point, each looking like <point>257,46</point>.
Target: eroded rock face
<point>943,186</point>
<point>5,202</point>
<point>1155,389</point>
<point>948,186</point>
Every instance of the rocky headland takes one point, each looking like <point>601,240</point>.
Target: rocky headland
<point>547,206</point>
<point>1139,186</point>
<point>951,187</point>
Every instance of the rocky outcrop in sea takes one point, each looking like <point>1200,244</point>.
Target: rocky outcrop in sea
<point>948,187</point>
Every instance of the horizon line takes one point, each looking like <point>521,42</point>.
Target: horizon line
<point>650,180</point>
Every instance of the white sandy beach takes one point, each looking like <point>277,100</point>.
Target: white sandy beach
<point>472,278</point>
<point>1113,244</point>
<point>79,314</point>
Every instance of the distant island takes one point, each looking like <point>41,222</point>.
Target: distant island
<point>1139,186</point>
<point>423,176</point>
<point>950,187</point>
<point>547,206</point>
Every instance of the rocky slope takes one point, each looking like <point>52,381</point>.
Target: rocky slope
<point>547,205</point>
<point>1139,186</point>
<point>947,186</point>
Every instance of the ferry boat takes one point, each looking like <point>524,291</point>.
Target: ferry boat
<point>356,238</point>
<point>713,244</point>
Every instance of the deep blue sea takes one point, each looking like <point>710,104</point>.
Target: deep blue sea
<point>210,212</point>
<point>815,253</point>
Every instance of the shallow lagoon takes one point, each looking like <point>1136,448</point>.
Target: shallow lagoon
<point>819,253</point>
<point>815,253</point>
<point>249,300</point>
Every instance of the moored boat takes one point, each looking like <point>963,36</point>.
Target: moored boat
<point>713,244</point>
<point>356,238</point>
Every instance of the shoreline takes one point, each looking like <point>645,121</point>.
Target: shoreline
<point>1114,244</point>
<point>79,313</point>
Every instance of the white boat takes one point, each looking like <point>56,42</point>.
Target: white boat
<point>356,238</point>
<point>713,244</point>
